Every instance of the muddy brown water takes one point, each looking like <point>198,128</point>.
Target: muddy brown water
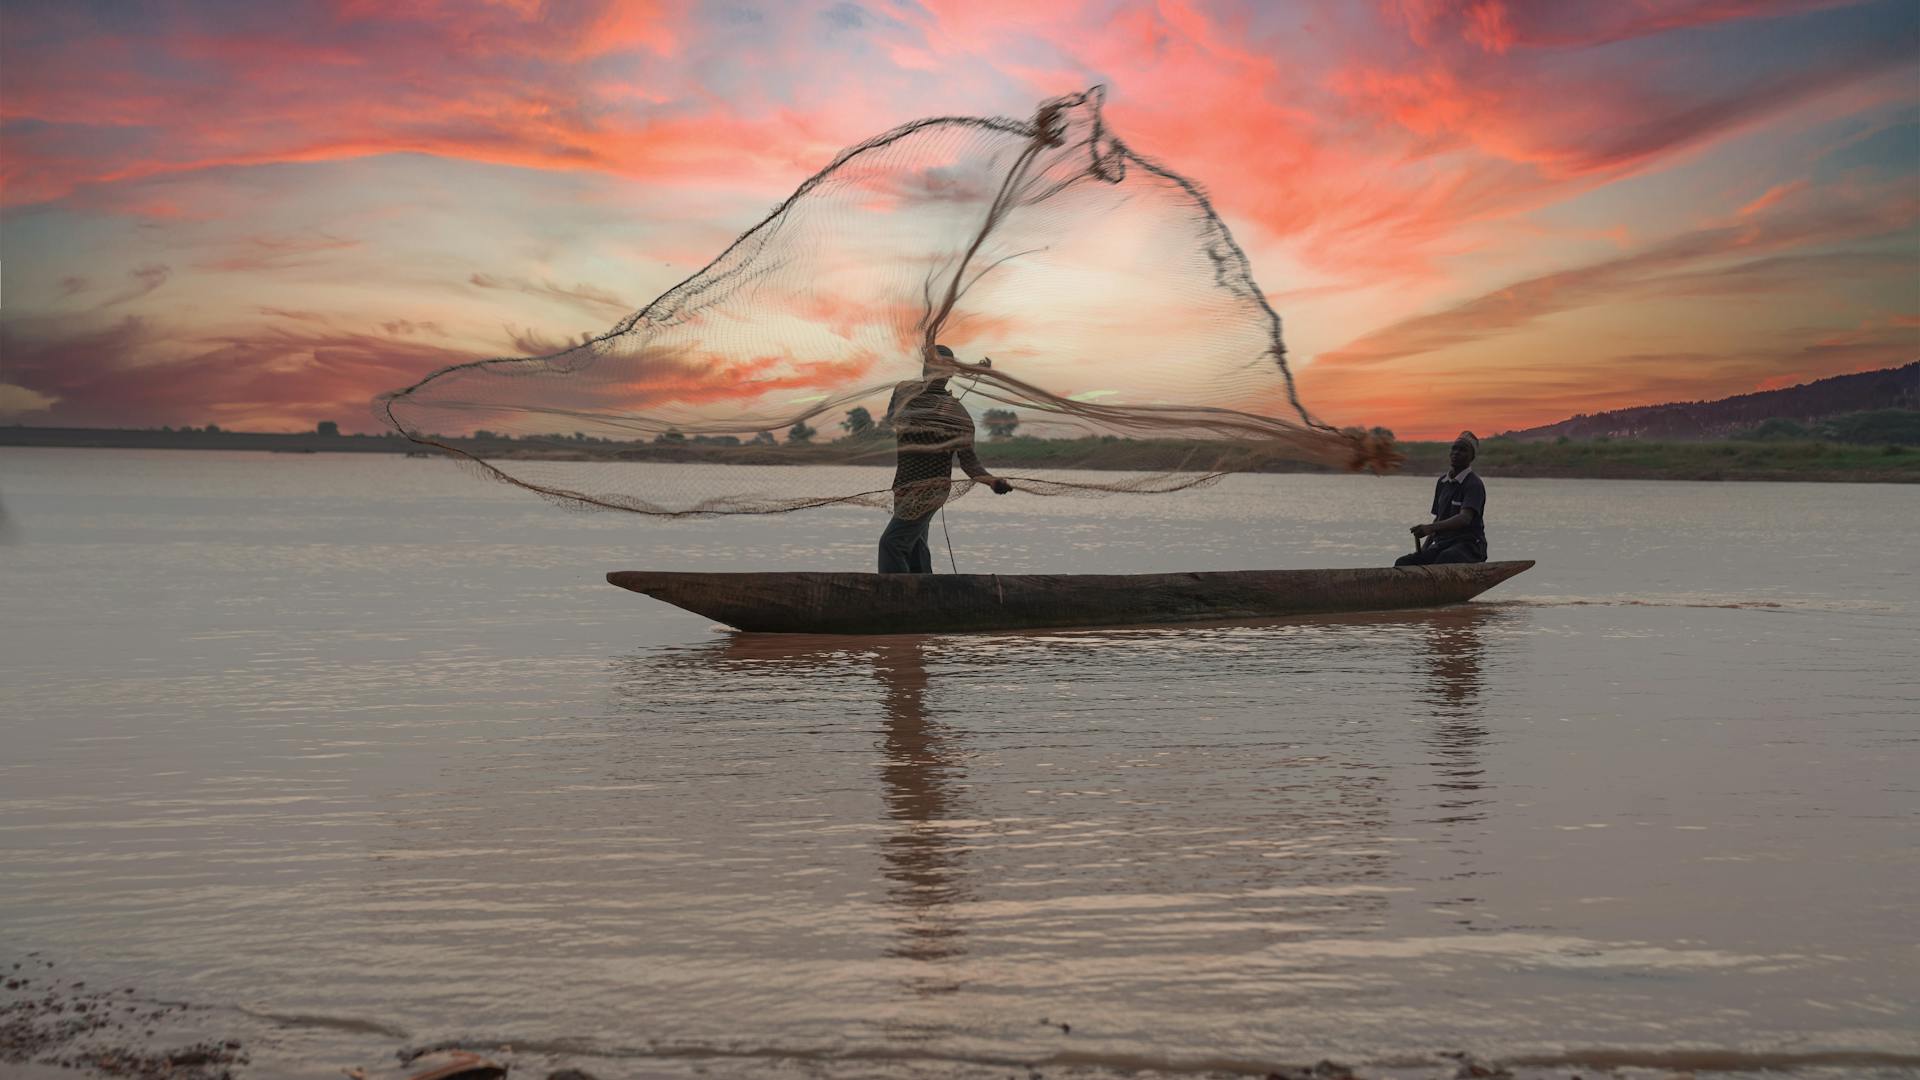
<point>353,752</point>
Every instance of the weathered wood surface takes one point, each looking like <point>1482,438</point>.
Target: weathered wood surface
<point>835,603</point>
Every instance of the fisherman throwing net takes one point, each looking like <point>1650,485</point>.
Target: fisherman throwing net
<point>1112,299</point>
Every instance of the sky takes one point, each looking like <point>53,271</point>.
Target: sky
<point>1468,213</point>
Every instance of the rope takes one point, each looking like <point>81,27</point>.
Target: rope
<point>971,383</point>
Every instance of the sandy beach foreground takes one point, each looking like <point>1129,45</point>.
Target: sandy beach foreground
<point>53,1029</point>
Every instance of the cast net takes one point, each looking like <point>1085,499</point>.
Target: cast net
<point>1131,350</point>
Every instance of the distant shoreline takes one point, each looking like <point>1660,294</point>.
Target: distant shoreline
<point>1618,459</point>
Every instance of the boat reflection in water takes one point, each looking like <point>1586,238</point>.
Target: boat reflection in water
<point>1126,803</point>
<point>1440,659</point>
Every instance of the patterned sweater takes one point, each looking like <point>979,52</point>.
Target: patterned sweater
<point>931,428</point>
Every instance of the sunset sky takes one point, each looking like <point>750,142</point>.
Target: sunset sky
<point>1469,213</point>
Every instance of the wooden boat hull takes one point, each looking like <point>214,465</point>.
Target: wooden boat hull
<point>837,603</point>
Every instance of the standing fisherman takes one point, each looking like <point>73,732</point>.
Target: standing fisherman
<point>1458,533</point>
<point>931,428</point>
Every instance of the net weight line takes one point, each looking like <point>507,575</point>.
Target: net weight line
<point>971,383</point>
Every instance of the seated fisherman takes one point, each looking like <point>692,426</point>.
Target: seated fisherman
<point>1458,533</point>
<point>930,427</point>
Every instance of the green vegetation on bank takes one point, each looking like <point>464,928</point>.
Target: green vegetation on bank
<point>1731,459</point>
<point>1743,459</point>
<point>1783,450</point>
<point>1900,427</point>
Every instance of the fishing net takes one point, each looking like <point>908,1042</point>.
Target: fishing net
<point>1130,348</point>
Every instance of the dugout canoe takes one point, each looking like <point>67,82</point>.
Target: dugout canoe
<point>834,603</point>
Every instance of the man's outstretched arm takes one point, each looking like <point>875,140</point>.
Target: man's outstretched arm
<point>970,464</point>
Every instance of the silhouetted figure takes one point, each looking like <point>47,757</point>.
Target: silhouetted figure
<point>931,428</point>
<point>1458,533</point>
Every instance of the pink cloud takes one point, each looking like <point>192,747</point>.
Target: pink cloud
<point>1772,196</point>
<point>255,254</point>
<point>1344,152</point>
<point>272,378</point>
<point>369,80</point>
<point>1382,146</point>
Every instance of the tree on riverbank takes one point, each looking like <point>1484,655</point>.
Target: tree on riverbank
<point>859,423</point>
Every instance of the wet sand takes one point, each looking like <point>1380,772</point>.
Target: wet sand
<point>51,1027</point>
<point>52,1023</point>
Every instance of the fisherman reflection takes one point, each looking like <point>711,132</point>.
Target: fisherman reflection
<point>920,778</point>
<point>1458,733</point>
<point>921,774</point>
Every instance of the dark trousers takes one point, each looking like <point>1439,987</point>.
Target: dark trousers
<point>1450,553</point>
<point>903,546</point>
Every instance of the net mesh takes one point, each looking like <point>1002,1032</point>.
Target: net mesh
<point>1130,348</point>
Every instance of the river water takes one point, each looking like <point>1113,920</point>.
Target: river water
<point>348,752</point>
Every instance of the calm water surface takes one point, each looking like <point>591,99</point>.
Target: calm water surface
<point>356,751</point>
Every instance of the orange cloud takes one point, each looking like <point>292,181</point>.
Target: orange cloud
<point>375,80</point>
<point>1684,263</point>
<point>1391,152</point>
<point>1426,374</point>
<point>626,391</point>
<point>1499,25</point>
<point>1772,196</point>
<point>721,379</point>
<point>1433,404</point>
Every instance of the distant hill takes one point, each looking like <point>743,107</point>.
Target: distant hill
<point>1687,421</point>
